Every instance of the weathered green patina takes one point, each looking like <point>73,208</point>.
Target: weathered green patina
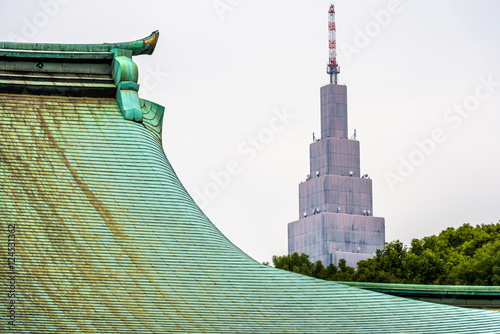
<point>98,235</point>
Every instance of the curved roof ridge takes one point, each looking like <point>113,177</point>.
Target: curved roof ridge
<point>141,46</point>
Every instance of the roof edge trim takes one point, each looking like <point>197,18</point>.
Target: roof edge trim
<point>139,47</point>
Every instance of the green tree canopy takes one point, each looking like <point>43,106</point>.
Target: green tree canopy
<point>465,256</point>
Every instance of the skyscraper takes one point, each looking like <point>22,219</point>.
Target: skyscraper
<point>335,202</point>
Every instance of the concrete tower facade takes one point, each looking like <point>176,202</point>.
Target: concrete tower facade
<point>335,202</point>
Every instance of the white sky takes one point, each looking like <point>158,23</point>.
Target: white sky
<point>223,75</point>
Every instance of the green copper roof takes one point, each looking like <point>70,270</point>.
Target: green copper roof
<point>486,297</point>
<point>98,235</point>
<point>430,289</point>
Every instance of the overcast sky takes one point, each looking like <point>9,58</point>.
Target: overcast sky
<point>240,81</point>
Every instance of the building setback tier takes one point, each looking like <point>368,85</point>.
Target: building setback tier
<point>336,236</point>
<point>331,193</point>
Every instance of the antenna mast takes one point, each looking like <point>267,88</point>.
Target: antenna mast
<point>333,69</point>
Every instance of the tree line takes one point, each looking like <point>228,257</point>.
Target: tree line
<point>463,256</point>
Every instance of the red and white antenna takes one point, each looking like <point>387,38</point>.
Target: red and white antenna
<point>332,68</point>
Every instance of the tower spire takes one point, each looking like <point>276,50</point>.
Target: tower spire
<point>333,69</point>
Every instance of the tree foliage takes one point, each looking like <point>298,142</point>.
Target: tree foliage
<point>464,256</point>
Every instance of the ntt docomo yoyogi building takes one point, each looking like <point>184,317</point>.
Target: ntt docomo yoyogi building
<point>335,202</point>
